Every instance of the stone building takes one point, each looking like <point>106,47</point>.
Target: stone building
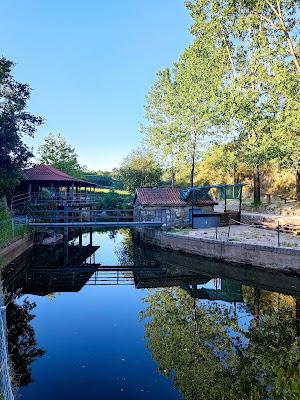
<point>167,204</point>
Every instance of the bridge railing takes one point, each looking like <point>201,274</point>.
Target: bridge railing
<point>69,215</point>
<point>49,198</point>
<point>75,215</point>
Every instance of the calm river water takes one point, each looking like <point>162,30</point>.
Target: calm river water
<point>118,320</point>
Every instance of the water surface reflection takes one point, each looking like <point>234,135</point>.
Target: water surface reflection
<point>122,320</point>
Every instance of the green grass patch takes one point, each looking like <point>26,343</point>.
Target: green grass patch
<point>10,232</point>
<point>288,244</point>
<point>117,191</point>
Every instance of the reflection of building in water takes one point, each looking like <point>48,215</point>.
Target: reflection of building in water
<point>168,276</point>
<point>43,270</point>
<point>230,291</point>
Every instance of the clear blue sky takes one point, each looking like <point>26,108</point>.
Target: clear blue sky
<point>90,64</point>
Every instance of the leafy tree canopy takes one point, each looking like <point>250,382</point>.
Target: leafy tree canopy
<point>15,123</point>
<point>55,151</point>
<point>139,169</point>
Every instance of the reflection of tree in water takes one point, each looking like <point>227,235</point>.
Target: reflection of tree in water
<point>203,348</point>
<point>22,343</point>
<point>125,251</point>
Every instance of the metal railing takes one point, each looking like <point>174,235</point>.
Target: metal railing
<point>71,215</point>
<point>75,215</point>
<point>5,381</point>
<point>227,233</point>
<point>53,198</point>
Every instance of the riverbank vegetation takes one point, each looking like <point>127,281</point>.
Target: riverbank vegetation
<point>113,199</point>
<point>9,232</point>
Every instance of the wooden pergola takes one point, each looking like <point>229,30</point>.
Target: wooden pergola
<point>43,182</point>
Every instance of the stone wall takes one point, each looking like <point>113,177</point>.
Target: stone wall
<point>283,259</point>
<point>177,217</point>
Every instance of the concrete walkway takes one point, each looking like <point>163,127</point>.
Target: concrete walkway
<point>244,234</point>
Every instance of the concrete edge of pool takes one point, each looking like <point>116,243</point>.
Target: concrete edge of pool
<point>278,258</point>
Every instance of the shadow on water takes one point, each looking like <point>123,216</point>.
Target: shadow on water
<point>214,330</point>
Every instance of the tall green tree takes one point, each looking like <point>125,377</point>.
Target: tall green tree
<point>182,108</point>
<point>261,40</point>
<point>139,169</point>
<point>162,131</point>
<point>200,74</point>
<point>15,123</point>
<point>56,151</point>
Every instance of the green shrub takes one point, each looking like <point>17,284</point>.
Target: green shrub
<point>113,200</point>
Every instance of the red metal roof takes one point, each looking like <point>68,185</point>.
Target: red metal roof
<point>164,197</point>
<point>44,172</point>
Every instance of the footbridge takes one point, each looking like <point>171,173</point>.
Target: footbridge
<point>87,217</point>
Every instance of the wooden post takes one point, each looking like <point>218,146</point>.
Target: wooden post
<point>65,245</point>
<point>225,199</point>
<point>29,190</point>
<point>91,236</point>
<point>65,213</point>
<point>80,237</point>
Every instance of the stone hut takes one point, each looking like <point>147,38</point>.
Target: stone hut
<point>167,204</point>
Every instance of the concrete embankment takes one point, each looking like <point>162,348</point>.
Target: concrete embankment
<point>283,259</point>
<point>15,249</point>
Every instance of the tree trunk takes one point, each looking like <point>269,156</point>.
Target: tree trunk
<point>298,185</point>
<point>256,306</point>
<point>256,185</point>
<point>173,176</point>
<point>173,179</point>
<point>192,172</point>
<point>194,145</point>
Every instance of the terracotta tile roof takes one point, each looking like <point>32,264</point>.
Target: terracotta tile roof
<point>44,172</point>
<point>164,197</point>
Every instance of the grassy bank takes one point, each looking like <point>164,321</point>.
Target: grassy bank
<point>10,232</point>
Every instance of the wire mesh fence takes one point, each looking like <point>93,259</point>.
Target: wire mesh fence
<point>6,392</point>
<point>9,231</point>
